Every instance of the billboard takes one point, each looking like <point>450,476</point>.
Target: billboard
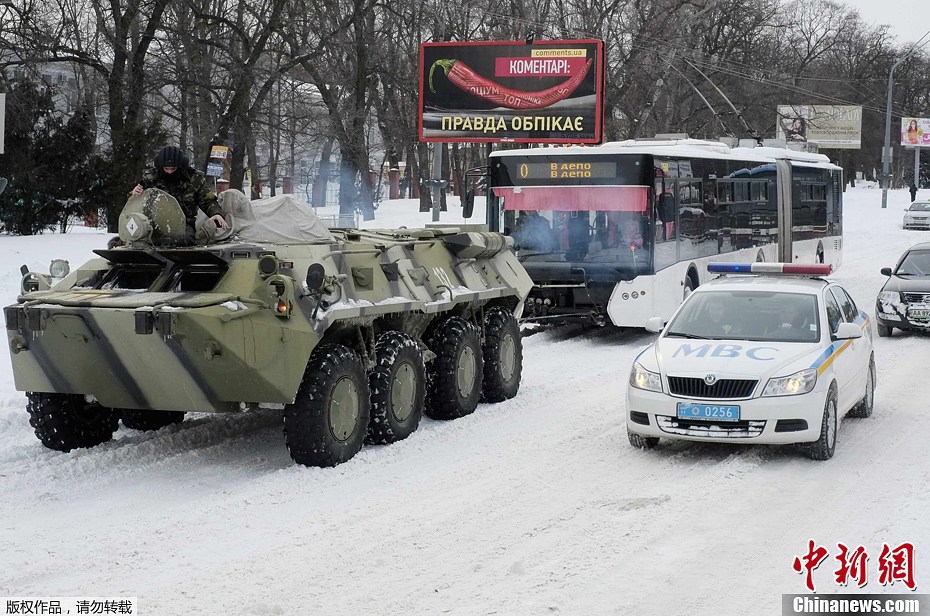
<point>540,92</point>
<point>219,151</point>
<point>828,126</point>
<point>915,132</point>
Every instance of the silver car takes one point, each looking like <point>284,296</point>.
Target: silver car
<point>917,216</point>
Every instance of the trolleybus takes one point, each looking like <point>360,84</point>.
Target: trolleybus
<point>624,230</point>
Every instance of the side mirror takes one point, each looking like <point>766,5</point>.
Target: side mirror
<point>886,271</point>
<point>655,325</point>
<point>847,331</point>
<point>468,203</point>
<point>316,274</point>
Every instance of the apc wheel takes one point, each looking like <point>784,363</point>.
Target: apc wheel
<point>66,421</point>
<point>864,408</point>
<point>642,442</point>
<point>453,382</point>
<point>823,448</point>
<point>503,355</point>
<point>327,422</point>
<point>883,330</point>
<point>398,388</point>
<point>150,420</point>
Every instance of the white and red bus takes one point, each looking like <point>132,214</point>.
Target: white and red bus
<point>625,230</point>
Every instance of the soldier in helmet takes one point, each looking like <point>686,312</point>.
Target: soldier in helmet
<point>173,174</point>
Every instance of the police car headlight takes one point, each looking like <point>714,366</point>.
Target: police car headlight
<point>793,384</point>
<point>889,297</point>
<point>640,378</point>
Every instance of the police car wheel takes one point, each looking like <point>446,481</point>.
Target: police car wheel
<point>642,442</point>
<point>823,448</point>
<point>864,408</point>
<point>883,330</point>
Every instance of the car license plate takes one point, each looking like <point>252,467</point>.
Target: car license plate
<point>920,313</point>
<point>710,412</point>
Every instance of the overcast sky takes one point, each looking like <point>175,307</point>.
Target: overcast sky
<point>909,19</point>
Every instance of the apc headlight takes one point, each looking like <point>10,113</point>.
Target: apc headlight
<point>793,384</point>
<point>59,268</point>
<point>640,378</point>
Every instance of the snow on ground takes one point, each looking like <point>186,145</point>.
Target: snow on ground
<point>537,505</point>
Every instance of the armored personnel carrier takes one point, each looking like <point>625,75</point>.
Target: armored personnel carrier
<point>354,333</point>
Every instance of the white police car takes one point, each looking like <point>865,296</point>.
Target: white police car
<point>760,358</point>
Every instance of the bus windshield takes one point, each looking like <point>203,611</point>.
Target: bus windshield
<point>595,224</point>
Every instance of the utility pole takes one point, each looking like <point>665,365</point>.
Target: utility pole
<point>886,151</point>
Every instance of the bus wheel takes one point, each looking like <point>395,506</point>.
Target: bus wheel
<point>690,286</point>
<point>819,257</point>
<point>760,257</point>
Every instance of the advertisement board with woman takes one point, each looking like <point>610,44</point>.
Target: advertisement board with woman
<point>915,132</point>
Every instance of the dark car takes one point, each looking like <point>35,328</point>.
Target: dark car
<point>904,301</point>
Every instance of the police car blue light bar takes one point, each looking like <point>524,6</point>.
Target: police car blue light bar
<point>770,268</point>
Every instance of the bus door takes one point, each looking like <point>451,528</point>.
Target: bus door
<point>666,222</point>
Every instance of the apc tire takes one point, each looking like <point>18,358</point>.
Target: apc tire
<point>865,406</point>
<point>150,420</point>
<point>453,381</point>
<point>824,447</point>
<point>398,388</point>
<point>66,421</point>
<point>642,442</point>
<point>883,330</point>
<point>328,420</point>
<point>503,355</point>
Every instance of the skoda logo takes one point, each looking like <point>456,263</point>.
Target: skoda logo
<point>710,379</point>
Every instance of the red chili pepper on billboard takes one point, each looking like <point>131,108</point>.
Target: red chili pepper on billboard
<point>467,79</point>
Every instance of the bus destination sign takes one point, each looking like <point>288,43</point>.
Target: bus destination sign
<point>567,170</point>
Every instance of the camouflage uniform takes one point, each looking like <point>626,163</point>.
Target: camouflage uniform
<point>192,194</point>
